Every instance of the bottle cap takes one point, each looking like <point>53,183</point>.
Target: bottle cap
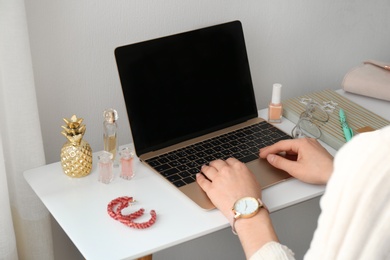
<point>110,115</point>
<point>126,153</point>
<point>276,93</point>
<point>105,157</point>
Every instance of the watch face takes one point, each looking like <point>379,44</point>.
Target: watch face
<point>246,206</point>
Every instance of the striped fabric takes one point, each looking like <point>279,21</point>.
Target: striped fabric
<point>332,133</point>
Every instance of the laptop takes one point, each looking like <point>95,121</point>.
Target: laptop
<point>190,100</point>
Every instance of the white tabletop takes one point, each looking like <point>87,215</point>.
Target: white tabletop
<point>80,205</point>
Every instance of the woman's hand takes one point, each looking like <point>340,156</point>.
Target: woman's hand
<point>312,163</point>
<point>227,181</point>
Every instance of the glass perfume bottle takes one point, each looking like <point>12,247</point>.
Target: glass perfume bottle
<point>110,128</point>
<point>105,171</point>
<point>127,157</point>
<point>275,109</point>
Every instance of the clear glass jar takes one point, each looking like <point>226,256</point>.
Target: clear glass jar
<point>105,167</point>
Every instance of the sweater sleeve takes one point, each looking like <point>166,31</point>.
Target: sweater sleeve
<point>273,250</point>
<point>354,222</point>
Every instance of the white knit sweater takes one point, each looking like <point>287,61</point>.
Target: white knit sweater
<point>355,218</point>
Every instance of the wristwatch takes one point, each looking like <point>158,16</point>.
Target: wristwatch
<point>246,207</point>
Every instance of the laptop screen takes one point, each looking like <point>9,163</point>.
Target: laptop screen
<point>185,85</point>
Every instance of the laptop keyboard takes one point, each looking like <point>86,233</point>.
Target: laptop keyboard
<point>180,166</point>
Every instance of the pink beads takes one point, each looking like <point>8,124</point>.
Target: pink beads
<point>114,209</point>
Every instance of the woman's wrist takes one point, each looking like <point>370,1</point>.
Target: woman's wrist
<point>255,232</point>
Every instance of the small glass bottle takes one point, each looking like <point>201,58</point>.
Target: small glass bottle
<point>105,171</point>
<point>275,109</point>
<point>127,157</point>
<point>110,128</point>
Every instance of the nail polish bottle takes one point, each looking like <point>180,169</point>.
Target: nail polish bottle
<point>275,109</point>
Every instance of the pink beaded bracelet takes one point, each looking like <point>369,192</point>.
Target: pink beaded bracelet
<point>115,207</point>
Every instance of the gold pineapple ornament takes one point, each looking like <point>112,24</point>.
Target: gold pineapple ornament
<point>76,153</point>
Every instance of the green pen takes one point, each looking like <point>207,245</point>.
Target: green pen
<point>348,133</point>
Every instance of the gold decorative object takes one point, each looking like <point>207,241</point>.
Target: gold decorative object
<point>76,153</point>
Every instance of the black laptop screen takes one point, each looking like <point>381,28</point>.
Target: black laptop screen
<point>185,85</point>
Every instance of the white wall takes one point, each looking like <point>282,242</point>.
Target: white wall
<point>305,45</point>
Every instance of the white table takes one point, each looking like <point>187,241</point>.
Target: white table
<point>80,205</point>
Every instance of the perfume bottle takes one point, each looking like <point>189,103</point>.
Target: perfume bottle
<point>106,174</point>
<point>275,109</point>
<point>110,128</point>
<point>127,157</point>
